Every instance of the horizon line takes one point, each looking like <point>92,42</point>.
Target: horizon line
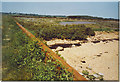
<point>61,14</point>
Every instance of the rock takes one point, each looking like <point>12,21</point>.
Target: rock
<point>101,78</point>
<point>81,73</point>
<point>84,41</point>
<point>116,39</point>
<point>53,50</point>
<point>101,74</point>
<point>95,41</point>
<point>77,44</point>
<point>89,39</point>
<point>59,48</point>
<point>73,45</point>
<point>96,75</point>
<point>91,77</point>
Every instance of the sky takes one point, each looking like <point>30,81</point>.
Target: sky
<point>99,9</point>
<point>60,0</point>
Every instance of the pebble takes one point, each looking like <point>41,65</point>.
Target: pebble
<point>96,75</point>
<point>98,55</point>
<point>80,66</point>
<point>100,52</point>
<point>106,52</point>
<point>100,73</point>
<point>83,61</point>
<point>81,73</point>
<point>89,67</point>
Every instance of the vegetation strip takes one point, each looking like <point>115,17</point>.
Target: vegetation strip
<point>77,76</point>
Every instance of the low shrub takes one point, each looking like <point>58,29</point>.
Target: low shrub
<point>48,30</point>
<point>73,32</point>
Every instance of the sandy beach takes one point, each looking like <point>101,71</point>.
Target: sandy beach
<point>101,57</point>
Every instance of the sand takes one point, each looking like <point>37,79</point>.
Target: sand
<point>106,64</point>
<point>100,57</point>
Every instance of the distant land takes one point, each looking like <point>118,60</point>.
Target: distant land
<point>54,16</point>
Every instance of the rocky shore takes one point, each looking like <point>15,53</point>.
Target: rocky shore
<point>98,54</point>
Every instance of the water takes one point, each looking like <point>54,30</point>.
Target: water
<point>76,22</point>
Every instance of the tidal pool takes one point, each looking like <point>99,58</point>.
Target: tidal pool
<point>76,22</point>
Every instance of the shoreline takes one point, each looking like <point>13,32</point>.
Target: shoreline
<point>101,57</point>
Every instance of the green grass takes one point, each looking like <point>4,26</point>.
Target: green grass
<point>105,29</point>
<point>23,59</point>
